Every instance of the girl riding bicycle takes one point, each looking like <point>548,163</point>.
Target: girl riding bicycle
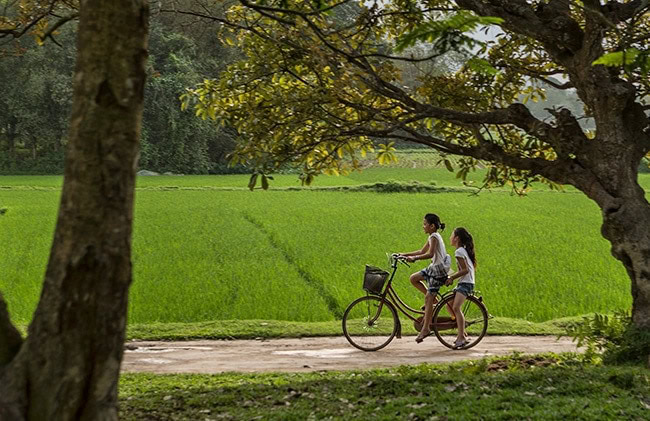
<point>435,274</point>
<point>466,261</point>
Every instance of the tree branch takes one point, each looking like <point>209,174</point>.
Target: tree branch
<point>539,75</point>
<point>543,23</point>
<point>57,25</point>
<point>259,8</point>
<point>516,114</point>
<point>617,12</point>
<point>10,338</point>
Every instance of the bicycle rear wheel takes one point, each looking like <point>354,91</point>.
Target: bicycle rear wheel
<point>370,323</point>
<point>445,326</point>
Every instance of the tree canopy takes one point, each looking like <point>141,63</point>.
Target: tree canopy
<point>315,87</point>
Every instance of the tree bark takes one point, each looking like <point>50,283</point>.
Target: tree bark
<point>12,135</point>
<point>68,366</point>
<point>628,230</point>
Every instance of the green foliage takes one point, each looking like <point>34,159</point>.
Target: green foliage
<point>34,113</point>
<point>632,59</point>
<point>447,34</point>
<point>481,66</point>
<point>611,337</point>
<point>35,106</point>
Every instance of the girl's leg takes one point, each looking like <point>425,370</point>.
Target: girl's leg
<point>459,299</point>
<point>416,281</point>
<point>450,309</point>
<point>429,300</point>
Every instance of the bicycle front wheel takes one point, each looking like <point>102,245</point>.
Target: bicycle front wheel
<point>370,323</point>
<point>444,321</point>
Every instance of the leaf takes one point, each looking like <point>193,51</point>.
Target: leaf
<point>481,66</point>
<point>450,31</point>
<point>618,58</point>
<point>450,167</point>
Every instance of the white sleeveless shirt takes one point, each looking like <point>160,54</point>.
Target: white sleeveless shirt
<point>439,256</point>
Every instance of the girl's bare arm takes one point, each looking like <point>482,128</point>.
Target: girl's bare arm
<point>462,270</point>
<point>417,252</point>
<point>427,251</point>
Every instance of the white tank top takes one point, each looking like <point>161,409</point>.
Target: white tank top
<point>439,256</point>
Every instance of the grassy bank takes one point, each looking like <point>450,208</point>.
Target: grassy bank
<point>269,329</point>
<point>249,329</point>
<point>518,387</point>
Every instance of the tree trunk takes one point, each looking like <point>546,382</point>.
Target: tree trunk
<point>614,163</point>
<point>12,134</point>
<point>68,367</point>
<point>626,224</point>
<point>628,230</point>
<point>33,147</point>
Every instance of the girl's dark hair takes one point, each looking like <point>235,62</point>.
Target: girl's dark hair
<point>434,219</point>
<point>467,241</point>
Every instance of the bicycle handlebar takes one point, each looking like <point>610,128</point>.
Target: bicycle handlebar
<point>399,258</point>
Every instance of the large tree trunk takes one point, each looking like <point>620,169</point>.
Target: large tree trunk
<point>628,230</point>
<point>613,163</point>
<point>626,224</point>
<point>68,367</point>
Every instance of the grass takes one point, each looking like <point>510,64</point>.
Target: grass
<point>273,329</point>
<point>249,329</point>
<point>269,329</point>
<point>205,255</point>
<point>517,387</point>
<point>216,255</point>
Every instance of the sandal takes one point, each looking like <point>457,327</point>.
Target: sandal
<point>460,345</point>
<point>421,337</point>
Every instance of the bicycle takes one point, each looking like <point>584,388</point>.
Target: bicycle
<point>371,322</point>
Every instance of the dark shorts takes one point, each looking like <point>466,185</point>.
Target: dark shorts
<point>433,284</point>
<point>465,288</point>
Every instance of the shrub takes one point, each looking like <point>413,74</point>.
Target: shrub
<point>614,339</point>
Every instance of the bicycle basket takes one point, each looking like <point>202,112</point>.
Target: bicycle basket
<point>373,279</point>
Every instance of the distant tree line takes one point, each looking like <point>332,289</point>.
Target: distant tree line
<point>36,86</point>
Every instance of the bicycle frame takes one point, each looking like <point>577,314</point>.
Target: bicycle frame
<point>390,295</point>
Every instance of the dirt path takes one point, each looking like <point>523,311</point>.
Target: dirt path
<point>315,354</point>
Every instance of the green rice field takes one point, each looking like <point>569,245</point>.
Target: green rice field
<point>205,248</point>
